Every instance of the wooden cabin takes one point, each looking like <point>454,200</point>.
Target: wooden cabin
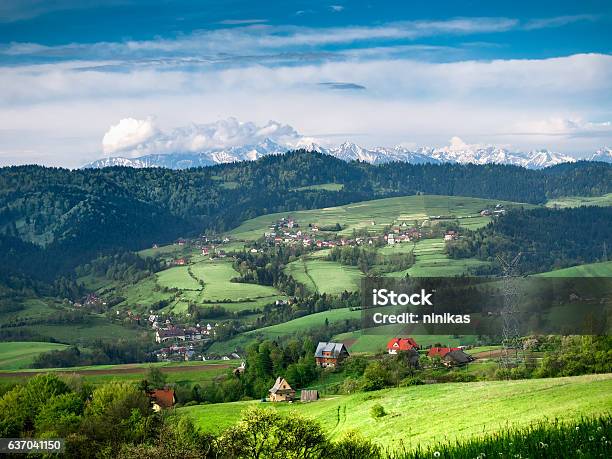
<point>281,391</point>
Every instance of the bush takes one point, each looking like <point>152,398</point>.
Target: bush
<point>377,411</point>
<point>354,446</point>
<point>412,381</point>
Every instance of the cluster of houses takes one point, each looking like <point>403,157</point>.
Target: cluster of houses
<point>173,333</point>
<point>498,210</point>
<point>400,234</point>
<point>288,232</point>
<point>91,300</point>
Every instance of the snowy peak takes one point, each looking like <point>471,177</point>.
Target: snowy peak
<point>603,154</point>
<point>457,152</point>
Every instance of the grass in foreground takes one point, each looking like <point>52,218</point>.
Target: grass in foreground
<point>587,437</point>
<point>426,415</point>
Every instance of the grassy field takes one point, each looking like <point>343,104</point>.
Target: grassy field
<point>17,355</point>
<point>323,186</point>
<point>375,215</point>
<point>177,277</point>
<point>274,331</point>
<point>431,260</point>
<point>589,270</point>
<point>423,415</point>
<point>175,372</point>
<point>577,201</point>
<point>217,276</point>
<point>325,276</point>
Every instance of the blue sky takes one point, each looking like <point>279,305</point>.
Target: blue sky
<point>84,79</point>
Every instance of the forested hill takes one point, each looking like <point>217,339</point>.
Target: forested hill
<point>548,239</point>
<point>74,215</point>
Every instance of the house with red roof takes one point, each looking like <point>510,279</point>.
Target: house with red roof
<point>162,399</point>
<point>441,351</point>
<point>401,344</point>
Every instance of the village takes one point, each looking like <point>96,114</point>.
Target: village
<point>329,356</point>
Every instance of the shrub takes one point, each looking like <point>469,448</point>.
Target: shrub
<point>354,446</point>
<point>377,411</point>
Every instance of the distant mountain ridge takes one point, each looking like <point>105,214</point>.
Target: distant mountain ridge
<point>457,152</point>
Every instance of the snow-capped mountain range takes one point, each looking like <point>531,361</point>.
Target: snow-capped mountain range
<point>457,152</point>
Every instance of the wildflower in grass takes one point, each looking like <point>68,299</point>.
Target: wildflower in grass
<point>591,438</point>
<point>436,453</point>
<point>577,428</point>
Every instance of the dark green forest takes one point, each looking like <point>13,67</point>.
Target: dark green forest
<point>548,239</point>
<point>52,219</point>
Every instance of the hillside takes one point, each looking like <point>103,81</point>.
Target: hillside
<point>58,218</point>
<point>14,356</point>
<point>427,414</point>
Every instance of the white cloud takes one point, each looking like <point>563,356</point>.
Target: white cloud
<point>558,21</point>
<point>131,137</point>
<point>128,133</point>
<point>258,38</point>
<point>558,126</point>
<point>336,8</point>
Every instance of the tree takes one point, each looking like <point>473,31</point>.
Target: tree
<point>60,416</point>
<point>264,433</point>
<point>118,412</point>
<point>155,378</point>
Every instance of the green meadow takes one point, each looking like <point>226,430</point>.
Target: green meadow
<point>431,260</point>
<point>18,355</point>
<point>377,214</point>
<point>323,186</point>
<point>210,282</point>
<point>217,277</point>
<point>324,276</point>
<point>316,320</point>
<point>603,269</point>
<point>577,201</point>
<point>424,415</point>
<point>176,372</point>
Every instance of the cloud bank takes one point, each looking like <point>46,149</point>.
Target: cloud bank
<point>131,137</point>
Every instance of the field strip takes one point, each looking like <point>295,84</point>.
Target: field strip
<point>122,370</point>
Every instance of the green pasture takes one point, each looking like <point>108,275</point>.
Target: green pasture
<point>424,415</point>
<point>578,201</point>
<point>217,276</point>
<point>603,269</point>
<point>377,214</point>
<point>316,320</point>
<point>324,276</point>
<point>323,186</point>
<point>431,260</point>
<point>176,372</point>
<point>18,355</point>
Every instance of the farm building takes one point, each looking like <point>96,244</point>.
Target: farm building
<point>440,351</point>
<point>456,357</point>
<point>309,395</point>
<point>281,391</point>
<point>330,354</point>
<point>401,344</point>
<point>162,399</point>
